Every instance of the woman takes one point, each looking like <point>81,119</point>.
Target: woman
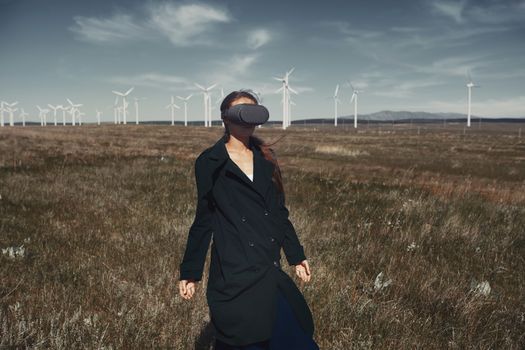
<point>253,303</point>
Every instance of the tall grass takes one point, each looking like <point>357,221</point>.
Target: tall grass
<point>103,212</point>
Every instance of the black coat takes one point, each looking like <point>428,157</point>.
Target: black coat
<point>249,224</point>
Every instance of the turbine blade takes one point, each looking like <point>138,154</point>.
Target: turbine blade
<point>200,86</point>
<point>129,91</point>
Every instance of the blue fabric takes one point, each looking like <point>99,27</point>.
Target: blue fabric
<point>287,333</point>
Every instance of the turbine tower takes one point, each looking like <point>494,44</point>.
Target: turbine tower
<point>11,110</point>
<point>218,103</point>
<point>336,101</point>
<point>23,116</point>
<point>2,110</point>
<point>54,108</point>
<point>42,114</point>
<point>137,99</point>
<point>185,101</point>
<point>470,85</point>
<point>73,108</point>
<point>124,102</point>
<point>172,106</point>
<point>64,110</point>
<point>355,92</point>
<point>286,96</point>
<point>207,102</point>
<point>98,116</point>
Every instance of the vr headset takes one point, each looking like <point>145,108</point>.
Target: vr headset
<point>246,114</point>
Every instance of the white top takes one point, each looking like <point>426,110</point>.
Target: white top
<point>250,176</point>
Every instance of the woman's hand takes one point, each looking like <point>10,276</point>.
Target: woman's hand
<point>187,288</point>
<point>303,271</point>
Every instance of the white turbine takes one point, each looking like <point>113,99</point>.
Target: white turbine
<point>98,116</point>
<point>137,99</point>
<point>124,103</point>
<point>42,114</point>
<point>185,101</point>
<point>80,114</point>
<point>172,106</point>
<point>2,110</point>
<point>54,108</point>
<point>218,103</point>
<point>286,96</point>
<point>207,103</point>
<point>470,85</point>
<point>9,110</point>
<point>23,116</point>
<point>64,110</point>
<point>336,101</point>
<point>355,92</point>
<point>73,109</point>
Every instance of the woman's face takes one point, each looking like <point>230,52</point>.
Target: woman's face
<point>238,130</point>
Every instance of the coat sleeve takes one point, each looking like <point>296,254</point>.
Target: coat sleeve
<point>201,230</point>
<point>293,249</point>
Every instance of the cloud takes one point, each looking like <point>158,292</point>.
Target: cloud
<point>232,71</point>
<point>183,25</point>
<point>151,79</point>
<point>258,38</point>
<point>482,12</point>
<point>116,28</point>
<point>451,9</point>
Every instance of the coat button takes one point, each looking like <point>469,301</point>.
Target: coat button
<point>272,239</point>
<point>243,219</point>
<point>265,212</point>
<point>251,244</point>
<point>275,263</point>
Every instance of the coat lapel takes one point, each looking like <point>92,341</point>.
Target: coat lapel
<point>262,168</point>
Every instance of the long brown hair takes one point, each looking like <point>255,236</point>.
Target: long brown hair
<point>267,151</point>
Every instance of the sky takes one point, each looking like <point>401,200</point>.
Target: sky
<point>402,55</point>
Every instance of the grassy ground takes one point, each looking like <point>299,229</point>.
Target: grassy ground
<point>102,214</point>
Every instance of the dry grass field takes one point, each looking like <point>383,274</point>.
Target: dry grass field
<point>416,237</point>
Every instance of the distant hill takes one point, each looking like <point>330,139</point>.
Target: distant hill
<point>406,115</point>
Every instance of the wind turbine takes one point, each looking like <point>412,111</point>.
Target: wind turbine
<point>207,103</point>
<point>42,114</point>
<point>172,106</point>
<point>124,103</point>
<point>23,116</point>
<point>73,109</point>
<point>286,96</point>
<point>354,99</point>
<point>2,110</point>
<point>185,101</point>
<point>336,101</point>
<point>98,116</point>
<point>64,110</point>
<point>11,110</point>
<point>54,108</point>
<point>80,114</point>
<point>292,103</point>
<point>218,102</point>
<point>470,85</point>
<point>137,99</point>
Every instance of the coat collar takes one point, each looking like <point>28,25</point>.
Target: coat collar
<point>262,168</point>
